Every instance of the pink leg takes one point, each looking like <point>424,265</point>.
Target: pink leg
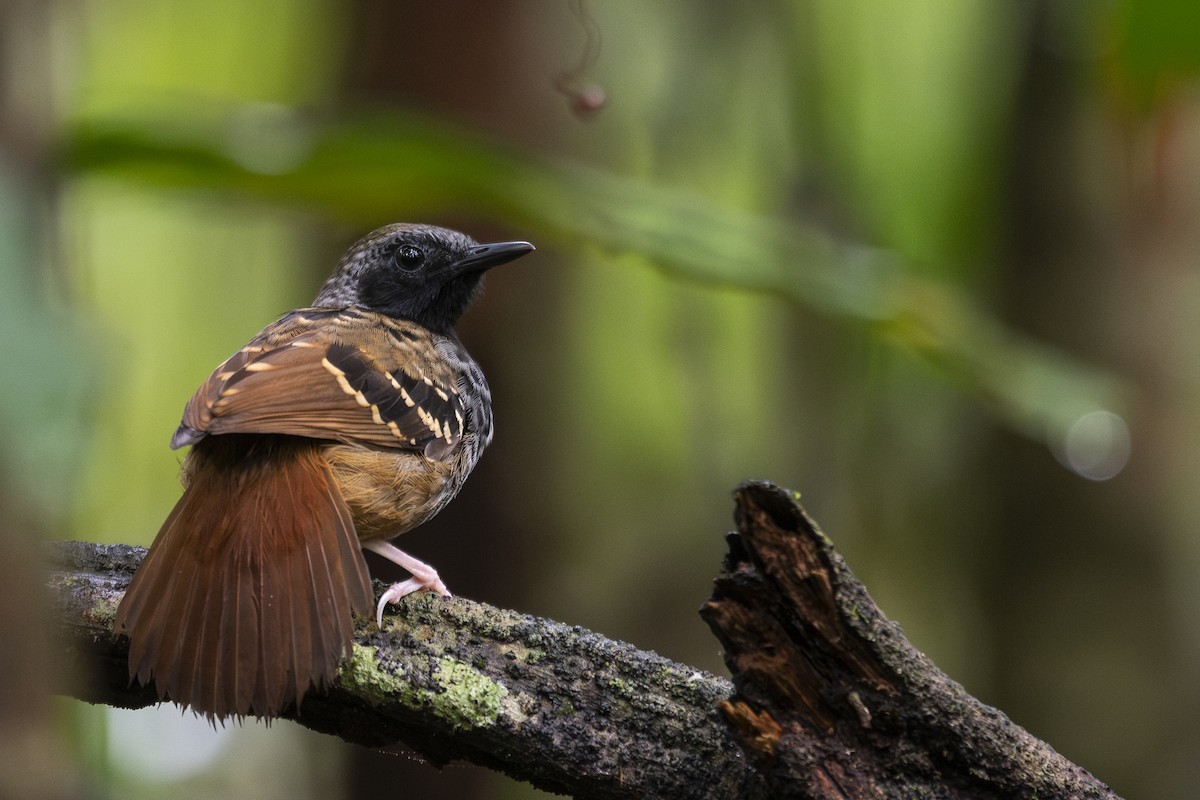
<point>423,576</point>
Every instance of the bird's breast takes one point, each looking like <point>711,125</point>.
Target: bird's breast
<point>390,492</point>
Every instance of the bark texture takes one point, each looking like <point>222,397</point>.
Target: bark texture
<point>829,700</point>
<point>558,706</point>
<point>833,702</point>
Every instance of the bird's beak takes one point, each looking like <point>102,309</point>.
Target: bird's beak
<point>486,256</point>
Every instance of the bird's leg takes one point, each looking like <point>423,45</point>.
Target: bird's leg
<point>423,576</point>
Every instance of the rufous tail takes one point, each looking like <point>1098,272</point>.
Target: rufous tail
<point>244,601</point>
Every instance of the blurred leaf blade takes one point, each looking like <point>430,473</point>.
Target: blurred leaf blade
<point>394,166</point>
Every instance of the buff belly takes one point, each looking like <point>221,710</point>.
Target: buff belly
<point>389,492</point>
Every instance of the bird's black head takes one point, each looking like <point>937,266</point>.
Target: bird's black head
<point>418,272</point>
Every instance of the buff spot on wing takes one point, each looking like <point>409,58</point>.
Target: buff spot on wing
<point>430,422</point>
<point>345,384</point>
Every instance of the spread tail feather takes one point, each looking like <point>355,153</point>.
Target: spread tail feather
<point>244,600</point>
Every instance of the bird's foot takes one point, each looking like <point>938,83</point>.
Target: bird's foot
<point>423,577</point>
<point>404,588</point>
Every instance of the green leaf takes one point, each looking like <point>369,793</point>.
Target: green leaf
<point>385,167</point>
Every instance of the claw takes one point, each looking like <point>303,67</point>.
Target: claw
<point>423,577</point>
<point>396,591</point>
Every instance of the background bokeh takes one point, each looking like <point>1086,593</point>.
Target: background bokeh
<point>933,265</point>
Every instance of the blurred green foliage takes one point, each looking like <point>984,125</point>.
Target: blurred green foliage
<point>800,242</point>
<point>1155,49</point>
<point>352,170</point>
<point>45,411</point>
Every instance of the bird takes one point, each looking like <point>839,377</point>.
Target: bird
<point>337,428</point>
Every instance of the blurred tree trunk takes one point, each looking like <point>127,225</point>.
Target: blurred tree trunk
<point>454,60</point>
<point>1080,273</point>
<point>38,458</point>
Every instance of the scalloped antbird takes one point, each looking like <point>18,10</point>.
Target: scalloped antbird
<point>338,427</point>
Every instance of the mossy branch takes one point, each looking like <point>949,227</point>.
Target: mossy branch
<point>561,707</point>
<point>829,700</point>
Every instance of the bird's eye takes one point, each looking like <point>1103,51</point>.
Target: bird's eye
<point>410,257</point>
